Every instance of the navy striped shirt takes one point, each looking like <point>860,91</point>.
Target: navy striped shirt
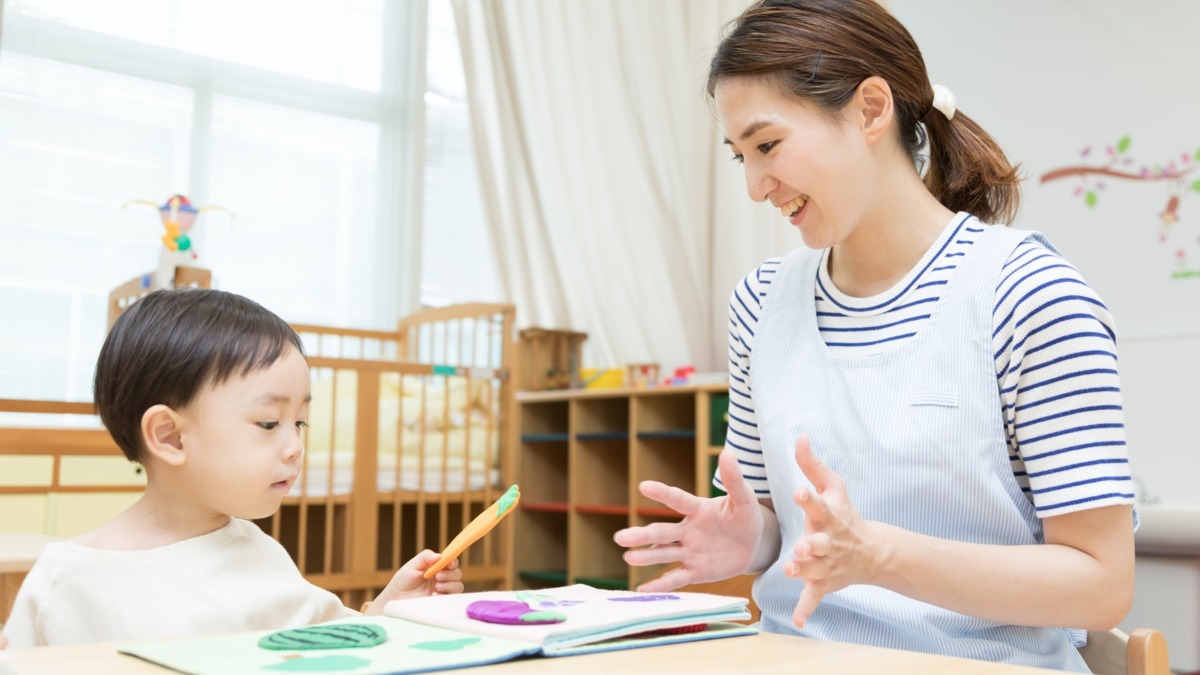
<point>1056,364</point>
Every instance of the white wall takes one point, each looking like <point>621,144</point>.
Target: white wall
<point>1049,78</point>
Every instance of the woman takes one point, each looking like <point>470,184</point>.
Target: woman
<point>957,380</point>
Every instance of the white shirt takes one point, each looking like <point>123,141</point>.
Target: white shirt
<point>233,579</point>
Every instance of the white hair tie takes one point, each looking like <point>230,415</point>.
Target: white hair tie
<point>943,100</point>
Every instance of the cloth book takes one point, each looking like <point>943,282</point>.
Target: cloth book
<point>458,631</point>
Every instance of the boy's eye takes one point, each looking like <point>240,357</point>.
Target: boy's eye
<point>268,425</point>
<point>301,424</point>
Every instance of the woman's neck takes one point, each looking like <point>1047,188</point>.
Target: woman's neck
<point>889,240</point>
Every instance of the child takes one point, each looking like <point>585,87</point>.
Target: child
<point>958,380</point>
<point>208,391</point>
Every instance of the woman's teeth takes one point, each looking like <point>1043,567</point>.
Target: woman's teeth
<point>789,209</point>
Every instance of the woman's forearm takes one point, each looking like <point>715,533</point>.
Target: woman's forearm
<point>1084,583</point>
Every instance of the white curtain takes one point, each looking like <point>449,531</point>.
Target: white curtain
<point>612,203</point>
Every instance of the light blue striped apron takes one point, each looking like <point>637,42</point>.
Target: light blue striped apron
<point>917,435</point>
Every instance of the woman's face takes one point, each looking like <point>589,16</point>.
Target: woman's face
<point>814,169</point>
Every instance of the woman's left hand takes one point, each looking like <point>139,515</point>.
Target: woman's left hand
<point>837,549</point>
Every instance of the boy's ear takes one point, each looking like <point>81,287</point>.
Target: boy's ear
<point>875,107</point>
<point>161,434</point>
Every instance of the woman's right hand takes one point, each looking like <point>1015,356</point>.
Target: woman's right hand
<point>717,539</point>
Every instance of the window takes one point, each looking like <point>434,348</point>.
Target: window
<point>296,122</point>
<point>457,263</point>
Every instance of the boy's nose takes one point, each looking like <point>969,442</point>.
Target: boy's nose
<point>293,451</point>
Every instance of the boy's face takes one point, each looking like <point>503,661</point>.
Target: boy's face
<point>242,439</point>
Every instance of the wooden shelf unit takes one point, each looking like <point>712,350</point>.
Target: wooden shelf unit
<point>580,458</point>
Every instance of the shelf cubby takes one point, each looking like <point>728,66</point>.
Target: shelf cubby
<point>666,415</point>
<point>600,474</point>
<point>669,461</point>
<point>544,418</point>
<point>582,454</point>
<point>594,554</point>
<point>602,417</point>
<point>541,553</point>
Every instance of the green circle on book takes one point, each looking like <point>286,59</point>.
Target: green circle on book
<point>328,636</point>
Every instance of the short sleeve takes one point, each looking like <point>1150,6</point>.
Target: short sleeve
<point>742,437</point>
<point>1056,366</point>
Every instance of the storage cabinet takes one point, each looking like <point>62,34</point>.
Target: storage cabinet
<point>581,455</point>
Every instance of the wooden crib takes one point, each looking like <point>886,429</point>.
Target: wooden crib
<point>409,438</point>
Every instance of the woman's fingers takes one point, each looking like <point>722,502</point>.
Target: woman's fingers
<point>818,473</point>
<point>649,535</point>
<point>810,597</point>
<point>816,509</point>
<point>809,569</point>
<point>655,555</point>
<point>684,502</point>
<point>669,581</point>
<point>815,545</point>
<point>732,479</point>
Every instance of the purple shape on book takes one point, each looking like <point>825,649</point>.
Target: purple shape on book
<point>645,598</point>
<point>511,612</point>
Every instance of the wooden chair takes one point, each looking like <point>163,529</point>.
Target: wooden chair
<point>1142,652</point>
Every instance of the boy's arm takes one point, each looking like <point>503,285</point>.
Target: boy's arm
<point>409,583</point>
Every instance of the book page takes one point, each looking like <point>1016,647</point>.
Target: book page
<point>589,613</point>
<point>409,648</point>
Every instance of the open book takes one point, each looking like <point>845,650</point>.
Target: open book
<point>436,633</point>
<point>591,619</point>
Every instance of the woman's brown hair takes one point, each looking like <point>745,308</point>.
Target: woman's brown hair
<point>821,50</point>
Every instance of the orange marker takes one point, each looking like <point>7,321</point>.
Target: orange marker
<point>476,529</point>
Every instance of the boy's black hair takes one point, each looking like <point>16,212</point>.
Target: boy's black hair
<point>168,345</point>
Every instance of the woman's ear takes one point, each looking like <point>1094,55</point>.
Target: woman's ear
<point>161,435</point>
<point>874,106</point>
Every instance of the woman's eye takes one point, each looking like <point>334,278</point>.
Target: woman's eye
<point>764,148</point>
<point>268,425</point>
<point>739,159</point>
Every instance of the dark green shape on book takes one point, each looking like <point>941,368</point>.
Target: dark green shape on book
<point>328,636</point>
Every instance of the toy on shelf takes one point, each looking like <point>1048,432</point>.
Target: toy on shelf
<point>681,376</point>
<point>603,378</point>
<point>641,375</point>
<point>550,359</point>
<point>178,217</point>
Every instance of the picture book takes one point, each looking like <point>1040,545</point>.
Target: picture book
<point>458,631</point>
<point>385,645</point>
<point>579,619</point>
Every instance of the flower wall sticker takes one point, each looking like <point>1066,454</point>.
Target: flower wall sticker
<point>1180,176</point>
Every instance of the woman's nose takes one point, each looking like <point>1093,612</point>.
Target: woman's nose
<point>759,183</point>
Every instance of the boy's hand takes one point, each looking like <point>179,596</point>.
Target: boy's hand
<point>3,641</point>
<point>408,583</point>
